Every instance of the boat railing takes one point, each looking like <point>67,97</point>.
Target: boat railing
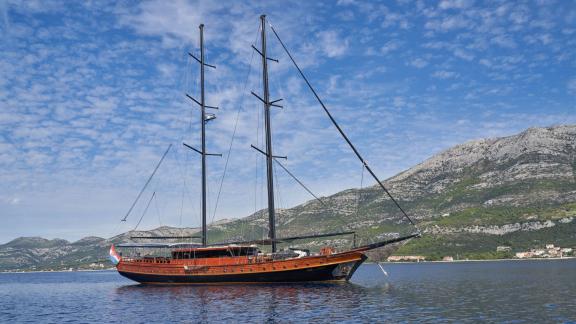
<point>251,259</point>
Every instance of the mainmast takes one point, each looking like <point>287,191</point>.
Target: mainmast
<point>203,122</point>
<point>204,118</point>
<point>268,151</point>
<point>269,157</point>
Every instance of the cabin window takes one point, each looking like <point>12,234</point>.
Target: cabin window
<point>216,253</point>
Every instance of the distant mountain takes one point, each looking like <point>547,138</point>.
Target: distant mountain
<point>518,191</point>
<point>35,253</point>
<point>35,242</point>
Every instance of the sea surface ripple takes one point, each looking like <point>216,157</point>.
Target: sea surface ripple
<point>504,291</point>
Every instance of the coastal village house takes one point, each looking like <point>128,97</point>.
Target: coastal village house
<point>550,251</point>
<point>411,258</point>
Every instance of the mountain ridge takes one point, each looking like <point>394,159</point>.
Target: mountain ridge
<point>517,190</point>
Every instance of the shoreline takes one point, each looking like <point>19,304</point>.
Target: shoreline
<point>369,262</point>
<point>59,271</point>
<point>475,260</point>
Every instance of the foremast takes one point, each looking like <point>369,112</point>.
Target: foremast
<point>204,118</point>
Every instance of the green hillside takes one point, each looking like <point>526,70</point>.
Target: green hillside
<point>517,191</point>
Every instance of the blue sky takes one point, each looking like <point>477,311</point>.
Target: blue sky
<point>92,92</point>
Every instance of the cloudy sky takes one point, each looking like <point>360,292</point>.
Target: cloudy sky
<point>92,93</point>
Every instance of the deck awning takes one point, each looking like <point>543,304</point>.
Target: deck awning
<point>158,245</point>
<point>285,239</point>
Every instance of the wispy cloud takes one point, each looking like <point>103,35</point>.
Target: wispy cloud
<point>333,45</point>
<point>444,74</point>
<point>571,86</point>
<point>390,46</point>
<point>92,93</point>
<point>455,4</point>
<point>418,63</point>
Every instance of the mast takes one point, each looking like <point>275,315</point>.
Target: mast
<point>269,156</point>
<point>203,122</point>
<point>204,118</point>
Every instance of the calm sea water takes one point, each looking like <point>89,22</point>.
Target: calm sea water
<point>507,291</point>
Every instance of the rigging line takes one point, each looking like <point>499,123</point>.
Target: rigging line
<point>262,164</point>
<point>183,170</point>
<point>278,195</point>
<point>190,80</point>
<point>244,221</point>
<point>341,131</point>
<point>157,211</point>
<point>147,182</point>
<point>145,210</point>
<point>157,183</point>
<point>360,192</point>
<point>188,76</point>
<point>185,189</point>
<point>259,160</point>
<point>263,175</point>
<point>282,203</point>
<point>300,182</point>
<point>256,164</point>
<point>233,134</point>
<point>193,82</point>
<point>116,229</point>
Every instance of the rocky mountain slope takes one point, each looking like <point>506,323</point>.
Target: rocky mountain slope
<point>518,191</point>
<point>502,191</point>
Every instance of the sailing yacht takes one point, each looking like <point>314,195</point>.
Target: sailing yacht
<point>243,261</point>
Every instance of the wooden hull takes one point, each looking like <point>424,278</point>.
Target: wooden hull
<point>336,267</point>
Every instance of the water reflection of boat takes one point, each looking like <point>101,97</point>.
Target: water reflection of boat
<point>264,302</point>
<point>243,261</point>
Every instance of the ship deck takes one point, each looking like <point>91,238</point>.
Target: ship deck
<point>339,266</point>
